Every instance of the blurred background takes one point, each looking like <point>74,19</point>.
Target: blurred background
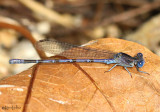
<point>73,21</point>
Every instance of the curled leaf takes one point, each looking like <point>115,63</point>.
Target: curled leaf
<point>85,87</point>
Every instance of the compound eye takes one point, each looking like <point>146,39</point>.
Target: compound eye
<point>140,55</point>
<point>140,64</point>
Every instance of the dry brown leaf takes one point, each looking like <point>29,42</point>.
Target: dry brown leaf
<point>65,88</point>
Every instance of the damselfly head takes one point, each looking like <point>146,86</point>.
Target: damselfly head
<point>140,60</point>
